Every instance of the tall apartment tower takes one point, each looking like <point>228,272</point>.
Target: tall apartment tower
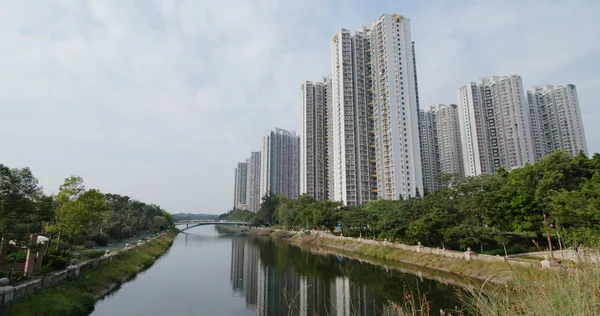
<point>556,120</point>
<point>349,176</point>
<point>495,125</point>
<point>393,80</point>
<point>313,148</point>
<point>253,197</point>
<point>374,147</point>
<point>280,164</point>
<point>440,144</point>
<point>240,182</point>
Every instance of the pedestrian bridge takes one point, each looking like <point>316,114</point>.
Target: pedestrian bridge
<point>195,223</point>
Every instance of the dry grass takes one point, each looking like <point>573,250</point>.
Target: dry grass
<point>571,291</point>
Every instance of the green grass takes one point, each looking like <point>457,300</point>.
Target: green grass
<point>571,291</point>
<point>76,297</point>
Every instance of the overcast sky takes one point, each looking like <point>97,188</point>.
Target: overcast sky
<point>158,100</point>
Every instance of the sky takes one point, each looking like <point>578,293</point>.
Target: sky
<point>159,100</point>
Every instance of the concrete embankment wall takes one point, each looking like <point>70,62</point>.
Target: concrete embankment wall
<point>10,293</point>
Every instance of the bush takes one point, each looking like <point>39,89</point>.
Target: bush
<point>80,304</point>
<point>89,244</point>
<point>57,259</point>
<point>101,240</point>
<point>18,276</point>
<point>64,245</point>
<point>17,256</point>
<point>91,254</point>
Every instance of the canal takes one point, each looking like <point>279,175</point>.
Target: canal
<point>213,271</point>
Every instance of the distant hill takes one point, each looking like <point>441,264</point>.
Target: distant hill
<point>189,216</point>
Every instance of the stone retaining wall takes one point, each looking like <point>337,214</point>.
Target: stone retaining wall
<point>9,293</point>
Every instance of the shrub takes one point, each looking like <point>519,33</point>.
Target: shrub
<point>57,259</point>
<point>101,240</point>
<point>18,276</point>
<point>91,254</point>
<point>17,256</point>
<point>89,244</point>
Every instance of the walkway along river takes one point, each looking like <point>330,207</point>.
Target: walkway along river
<point>212,271</point>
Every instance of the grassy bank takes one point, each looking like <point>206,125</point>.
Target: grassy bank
<point>572,291</point>
<point>488,271</point>
<point>78,296</point>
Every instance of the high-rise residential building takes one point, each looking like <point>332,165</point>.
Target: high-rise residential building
<point>240,182</point>
<point>556,120</point>
<point>280,164</point>
<point>392,81</point>
<point>349,175</point>
<point>440,144</point>
<point>374,147</point>
<point>430,155</point>
<point>495,125</point>
<point>313,147</point>
<point>253,197</point>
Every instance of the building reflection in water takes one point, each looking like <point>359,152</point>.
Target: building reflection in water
<point>275,279</point>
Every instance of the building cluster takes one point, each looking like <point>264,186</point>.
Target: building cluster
<point>273,170</point>
<point>365,136</point>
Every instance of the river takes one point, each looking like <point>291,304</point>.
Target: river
<point>213,271</point>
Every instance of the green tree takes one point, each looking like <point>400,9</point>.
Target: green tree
<point>577,213</point>
<point>159,223</point>
<point>268,207</point>
<point>23,206</point>
<point>78,209</point>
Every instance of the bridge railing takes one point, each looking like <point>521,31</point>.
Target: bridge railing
<point>209,222</point>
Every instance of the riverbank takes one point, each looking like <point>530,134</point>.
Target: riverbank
<point>519,289</point>
<point>494,270</point>
<point>78,295</point>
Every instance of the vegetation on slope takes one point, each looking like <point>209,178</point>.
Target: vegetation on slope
<point>77,296</point>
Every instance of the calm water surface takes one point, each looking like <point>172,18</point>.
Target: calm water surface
<point>210,271</point>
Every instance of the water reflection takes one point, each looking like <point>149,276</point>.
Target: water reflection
<point>279,279</point>
<point>211,271</point>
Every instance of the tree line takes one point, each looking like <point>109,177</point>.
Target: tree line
<point>555,201</point>
<point>75,216</point>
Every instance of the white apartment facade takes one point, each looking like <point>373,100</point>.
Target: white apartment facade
<point>280,164</point>
<point>495,125</point>
<point>374,145</point>
<point>395,108</point>
<point>440,144</point>
<point>348,125</point>
<point>240,181</point>
<point>253,197</point>
<point>556,120</point>
<point>313,136</point>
